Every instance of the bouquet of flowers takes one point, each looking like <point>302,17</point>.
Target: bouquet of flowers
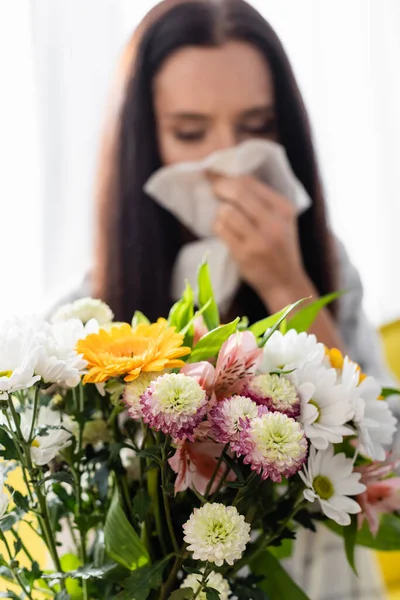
<point>175,460</point>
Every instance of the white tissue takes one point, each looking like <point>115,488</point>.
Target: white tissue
<point>184,190</point>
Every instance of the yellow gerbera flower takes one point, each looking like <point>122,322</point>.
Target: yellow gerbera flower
<point>125,352</point>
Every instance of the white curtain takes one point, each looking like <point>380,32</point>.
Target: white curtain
<point>346,55</point>
<point>21,206</point>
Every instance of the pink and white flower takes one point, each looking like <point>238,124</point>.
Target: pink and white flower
<point>229,417</point>
<point>274,391</point>
<point>174,404</point>
<point>274,445</point>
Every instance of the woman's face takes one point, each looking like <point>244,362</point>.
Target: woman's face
<point>208,99</point>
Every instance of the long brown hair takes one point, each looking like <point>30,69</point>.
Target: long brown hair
<point>136,240</point>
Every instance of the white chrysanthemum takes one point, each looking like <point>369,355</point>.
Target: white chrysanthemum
<point>325,405</point>
<point>291,350</point>
<point>330,479</point>
<point>216,533</point>
<point>276,392</point>
<point>274,445</point>
<point>134,390</point>
<point>174,404</point>
<point>214,581</point>
<point>4,498</point>
<point>228,416</point>
<point>48,444</point>
<point>18,357</point>
<point>84,309</point>
<point>58,361</point>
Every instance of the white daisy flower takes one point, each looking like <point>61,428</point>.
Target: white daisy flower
<point>373,418</point>
<point>216,533</point>
<point>292,350</point>
<point>325,405</point>
<point>18,357</point>
<point>46,446</point>
<point>330,479</point>
<point>84,309</point>
<point>214,581</point>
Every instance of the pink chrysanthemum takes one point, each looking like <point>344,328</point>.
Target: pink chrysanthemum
<point>228,418</point>
<point>274,445</point>
<point>174,404</point>
<point>274,391</point>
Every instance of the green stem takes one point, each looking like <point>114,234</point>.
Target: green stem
<point>24,548</point>
<point>203,582</point>
<point>217,467</point>
<point>244,490</point>
<point>152,488</point>
<point>13,570</point>
<point>44,519</point>
<point>79,511</point>
<point>221,483</point>
<point>34,412</point>
<point>165,498</point>
<point>169,584</point>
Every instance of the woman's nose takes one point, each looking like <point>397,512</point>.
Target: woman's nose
<point>225,137</point>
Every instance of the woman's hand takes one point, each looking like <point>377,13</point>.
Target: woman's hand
<point>259,226</point>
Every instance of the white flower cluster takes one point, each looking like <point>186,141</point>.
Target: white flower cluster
<point>32,350</point>
<point>336,401</point>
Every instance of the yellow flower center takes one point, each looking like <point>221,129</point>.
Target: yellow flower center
<point>6,373</point>
<point>336,358</point>
<point>323,487</point>
<point>35,444</point>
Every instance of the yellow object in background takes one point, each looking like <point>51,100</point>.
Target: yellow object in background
<point>32,541</point>
<point>390,561</point>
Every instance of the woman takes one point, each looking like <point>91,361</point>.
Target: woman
<point>200,76</point>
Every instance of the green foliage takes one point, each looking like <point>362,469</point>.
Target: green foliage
<point>350,536</point>
<point>143,580</point>
<point>276,582</point>
<point>182,313</point>
<point>205,295</point>
<point>139,318</point>
<point>387,537</point>
<point>211,343</point>
<point>306,316</point>
<point>122,542</point>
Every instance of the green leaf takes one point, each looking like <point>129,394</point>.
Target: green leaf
<point>350,535</point>
<point>205,294</point>
<point>282,318</point>
<point>9,521</point>
<point>8,450</point>
<point>139,318</point>
<point>122,542</point>
<point>182,312</point>
<point>276,583</point>
<point>193,570</point>
<point>260,327</point>
<point>21,501</point>
<point>211,593</point>
<point>182,594</point>
<point>211,343</point>
<point>141,504</point>
<point>9,594</point>
<point>143,580</point>
<point>387,391</point>
<point>196,315</point>
<point>282,551</point>
<point>306,316</point>
<point>387,538</point>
